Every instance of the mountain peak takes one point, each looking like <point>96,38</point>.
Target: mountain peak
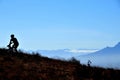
<point>118,44</point>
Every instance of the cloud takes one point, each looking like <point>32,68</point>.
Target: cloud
<point>81,51</point>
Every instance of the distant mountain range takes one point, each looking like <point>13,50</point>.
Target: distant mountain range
<point>107,57</point>
<point>109,51</point>
<point>65,53</point>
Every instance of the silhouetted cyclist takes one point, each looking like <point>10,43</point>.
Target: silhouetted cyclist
<point>13,43</point>
<point>89,63</point>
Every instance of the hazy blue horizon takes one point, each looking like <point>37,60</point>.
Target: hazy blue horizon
<point>60,24</point>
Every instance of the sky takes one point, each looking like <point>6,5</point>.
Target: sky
<point>60,24</point>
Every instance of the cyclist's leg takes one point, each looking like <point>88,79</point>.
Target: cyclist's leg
<point>15,48</point>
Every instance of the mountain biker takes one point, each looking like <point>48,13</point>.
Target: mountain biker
<point>13,43</point>
<point>89,63</point>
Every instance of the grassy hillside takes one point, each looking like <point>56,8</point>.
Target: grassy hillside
<point>24,66</point>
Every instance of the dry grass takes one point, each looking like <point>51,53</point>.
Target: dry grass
<point>24,66</point>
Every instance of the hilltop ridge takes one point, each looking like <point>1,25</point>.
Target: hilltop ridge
<point>25,66</point>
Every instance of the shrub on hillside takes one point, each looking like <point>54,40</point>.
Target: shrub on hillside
<point>74,60</point>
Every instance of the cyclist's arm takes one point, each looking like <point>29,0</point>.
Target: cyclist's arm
<point>10,42</point>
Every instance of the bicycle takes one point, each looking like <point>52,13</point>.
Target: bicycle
<point>11,48</point>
